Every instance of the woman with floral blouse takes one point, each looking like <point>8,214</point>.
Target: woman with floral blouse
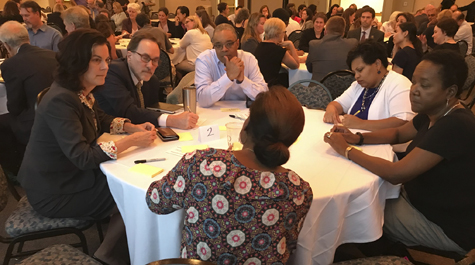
<point>241,206</point>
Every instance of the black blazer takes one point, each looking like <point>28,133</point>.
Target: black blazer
<point>307,36</point>
<point>178,31</point>
<point>26,74</point>
<point>375,34</point>
<point>118,96</point>
<point>62,156</point>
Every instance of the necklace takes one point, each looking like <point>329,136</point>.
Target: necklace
<point>458,103</point>
<point>363,107</point>
<point>249,149</point>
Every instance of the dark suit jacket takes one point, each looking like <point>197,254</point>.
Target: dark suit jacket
<point>178,31</point>
<point>328,55</point>
<point>470,8</point>
<point>26,74</point>
<point>375,34</point>
<point>118,96</point>
<point>307,36</point>
<point>62,156</point>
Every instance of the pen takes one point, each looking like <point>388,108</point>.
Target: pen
<point>237,117</point>
<point>149,160</point>
<point>188,107</point>
<point>357,112</point>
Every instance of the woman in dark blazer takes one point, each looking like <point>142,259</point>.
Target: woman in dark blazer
<point>60,170</point>
<point>314,33</point>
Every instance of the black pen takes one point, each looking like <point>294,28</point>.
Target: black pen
<point>149,160</point>
<point>236,117</point>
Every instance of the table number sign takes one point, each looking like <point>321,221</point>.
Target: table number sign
<point>208,133</point>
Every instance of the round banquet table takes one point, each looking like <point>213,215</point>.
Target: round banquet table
<point>348,202</point>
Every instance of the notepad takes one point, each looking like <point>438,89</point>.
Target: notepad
<point>230,110</point>
<point>222,128</point>
<point>146,170</point>
<point>191,148</point>
<point>186,136</point>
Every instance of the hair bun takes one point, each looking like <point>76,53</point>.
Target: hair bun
<point>271,154</point>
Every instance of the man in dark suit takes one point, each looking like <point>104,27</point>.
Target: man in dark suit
<point>131,86</point>
<point>28,71</point>
<point>366,31</point>
<point>329,54</point>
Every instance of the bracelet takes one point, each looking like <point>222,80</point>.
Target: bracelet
<point>361,138</point>
<point>347,151</point>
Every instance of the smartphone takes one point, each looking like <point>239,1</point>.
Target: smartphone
<point>166,134</point>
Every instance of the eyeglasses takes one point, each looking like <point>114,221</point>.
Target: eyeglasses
<point>146,59</point>
<point>228,45</point>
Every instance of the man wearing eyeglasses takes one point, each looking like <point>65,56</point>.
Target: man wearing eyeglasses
<point>224,73</point>
<point>131,86</point>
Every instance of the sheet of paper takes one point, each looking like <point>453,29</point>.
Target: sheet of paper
<point>175,151</point>
<point>191,148</point>
<point>200,122</point>
<point>186,136</point>
<point>146,170</point>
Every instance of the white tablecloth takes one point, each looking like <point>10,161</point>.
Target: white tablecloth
<point>347,207</point>
<point>298,74</point>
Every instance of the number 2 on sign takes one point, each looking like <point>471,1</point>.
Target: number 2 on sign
<point>208,133</point>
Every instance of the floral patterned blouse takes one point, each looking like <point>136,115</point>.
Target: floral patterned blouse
<point>235,215</point>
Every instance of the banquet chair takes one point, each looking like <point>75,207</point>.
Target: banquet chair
<point>181,261</point>
<point>381,260</point>
<point>59,254</point>
<point>164,74</point>
<point>154,15</point>
<point>25,224</point>
<point>176,96</point>
<point>470,82</point>
<point>314,95</point>
<point>463,46</point>
<point>294,37</point>
<point>429,255</point>
<point>337,82</point>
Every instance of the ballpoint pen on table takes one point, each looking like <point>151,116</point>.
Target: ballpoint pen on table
<point>356,113</point>
<point>149,160</point>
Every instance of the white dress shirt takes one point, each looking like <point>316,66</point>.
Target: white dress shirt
<point>465,33</point>
<point>212,82</point>
<point>293,26</point>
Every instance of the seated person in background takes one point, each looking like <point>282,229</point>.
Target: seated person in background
<point>60,172</point>
<point>206,22</point>
<point>315,33</point>
<point>292,25</point>
<point>41,35</point>
<point>465,30</point>
<point>223,9</point>
<point>264,10</point>
<point>105,29</point>
<point>224,187</point>
<point>10,12</point>
<point>378,99</point>
<point>444,33</point>
<point>427,36</point>
<point>273,51</point>
<point>410,50</point>
<point>26,73</point>
<point>55,18</point>
<point>182,12</point>
<point>75,18</point>
<point>329,53</point>
<point>224,73</point>
<point>432,209</point>
<point>164,23</point>
<point>233,16</point>
<point>241,21</point>
<point>118,17</point>
<point>129,25</point>
<point>252,34</point>
<point>143,22</point>
<point>131,86</point>
<point>366,31</point>
<point>402,17</point>
<point>307,19</point>
<point>195,41</point>
<point>93,8</point>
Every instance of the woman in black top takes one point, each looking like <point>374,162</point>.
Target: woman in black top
<point>444,33</point>
<point>410,49</point>
<point>252,34</point>
<point>333,10</point>
<point>438,188</point>
<point>314,33</point>
<point>274,51</point>
<point>349,16</point>
<point>240,22</point>
<point>10,12</point>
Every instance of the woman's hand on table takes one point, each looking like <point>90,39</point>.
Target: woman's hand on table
<point>336,141</point>
<point>185,120</point>
<point>346,133</point>
<point>144,127</point>
<point>143,139</point>
<point>351,121</point>
<point>331,115</point>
